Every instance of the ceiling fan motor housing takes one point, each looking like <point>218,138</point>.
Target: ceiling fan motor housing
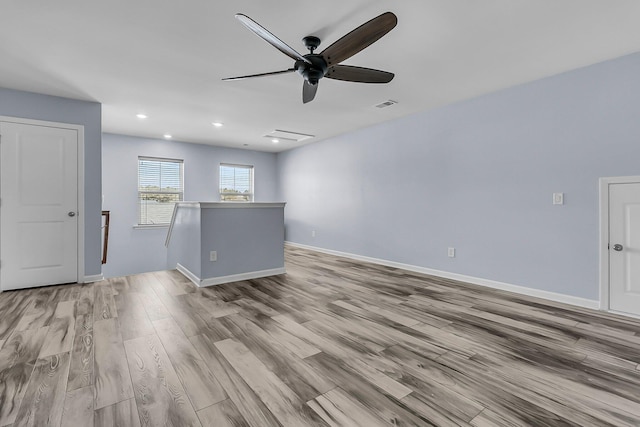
<point>314,71</point>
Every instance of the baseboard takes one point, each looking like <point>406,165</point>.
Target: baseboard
<point>213,281</point>
<point>87,279</point>
<point>552,296</point>
<point>188,274</point>
<point>622,313</point>
<point>94,278</point>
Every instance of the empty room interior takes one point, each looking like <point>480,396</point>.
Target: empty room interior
<point>354,213</point>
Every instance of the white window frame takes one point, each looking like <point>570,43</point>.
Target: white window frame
<point>140,193</point>
<point>228,193</point>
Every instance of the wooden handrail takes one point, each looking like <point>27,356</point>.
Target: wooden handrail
<point>105,233</point>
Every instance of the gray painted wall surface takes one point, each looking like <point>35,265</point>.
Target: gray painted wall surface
<point>35,106</point>
<point>186,240</point>
<point>133,250</point>
<point>246,239</point>
<point>478,176</point>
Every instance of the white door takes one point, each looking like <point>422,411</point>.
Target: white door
<point>624,247</point>
<point>38,205</point>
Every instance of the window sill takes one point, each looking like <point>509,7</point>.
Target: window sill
<point>150,226</point>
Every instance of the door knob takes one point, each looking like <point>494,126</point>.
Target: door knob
<point>71,213</point>
<point>618,247</point>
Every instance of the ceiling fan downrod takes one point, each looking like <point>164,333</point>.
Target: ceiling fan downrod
<point>316,67</point>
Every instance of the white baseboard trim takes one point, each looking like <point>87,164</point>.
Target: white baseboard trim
<point>94,278</point>
<point>213,281</point>
<point>552,296</point>
<point>188,274</point>
<point>87,279</point>
<point>622,313</point>
<point>243,276</point>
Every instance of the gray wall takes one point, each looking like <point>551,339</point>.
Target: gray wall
<point>478,176</point>
<point>88,114</point>
<point>185,247</point>
<point>135,250</point>
<point>251,240</point>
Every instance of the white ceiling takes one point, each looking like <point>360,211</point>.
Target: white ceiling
<point>166,58</point>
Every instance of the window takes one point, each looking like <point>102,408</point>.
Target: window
<point>160,186</point>
<point>236,183</point>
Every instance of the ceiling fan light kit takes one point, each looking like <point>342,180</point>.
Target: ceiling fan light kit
<point>313,67</point>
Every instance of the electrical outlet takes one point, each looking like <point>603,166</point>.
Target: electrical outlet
<point>213,256</point>
<point>313,233</point>
<point>451,252</point>
<point>558,198</point>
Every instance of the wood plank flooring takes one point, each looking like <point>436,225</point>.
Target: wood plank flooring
<point>332,343</point>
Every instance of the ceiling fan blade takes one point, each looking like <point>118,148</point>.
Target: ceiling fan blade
<point>363,36</point>
<point>308,91</point>
<point>272,73</point>
<point>270,38</point>
<point>358,74</point>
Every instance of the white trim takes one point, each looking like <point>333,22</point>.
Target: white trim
<point>192,205</point>
<point>94,278</point>
<point>186,205</point>
<point>213,281</point>
<point>227,205</point>
<point>622,313</point>
<point>170,229</point>
<point>243,276</point>
<point>180,193</point>
<point>604,184</point>
<point>566,299</point>
<point>603,254</point>
<point>81,204</point>
<point>251,172</point>
<point>215,205</point>
<point>188,274</point>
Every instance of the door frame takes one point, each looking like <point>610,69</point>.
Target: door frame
<point>604,233</point>
<point>80,184</point>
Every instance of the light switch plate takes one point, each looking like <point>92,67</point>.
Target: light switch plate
<point>213,256</point>
<point>451,252</point>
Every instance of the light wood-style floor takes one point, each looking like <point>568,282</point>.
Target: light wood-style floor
<point>333,342</point>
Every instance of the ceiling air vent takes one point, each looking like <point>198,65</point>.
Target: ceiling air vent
<point>286,135</point>
<point>386,104</point>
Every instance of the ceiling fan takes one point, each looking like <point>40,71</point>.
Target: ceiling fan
<point>313,66</point>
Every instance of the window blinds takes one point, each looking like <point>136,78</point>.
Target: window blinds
<point>236,183</point>
<point>160,186</point>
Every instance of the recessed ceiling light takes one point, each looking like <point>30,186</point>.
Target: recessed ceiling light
<point>275,140</point>
<point>167,136</point>
<point>217,124</point>
<point>141,116</point>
